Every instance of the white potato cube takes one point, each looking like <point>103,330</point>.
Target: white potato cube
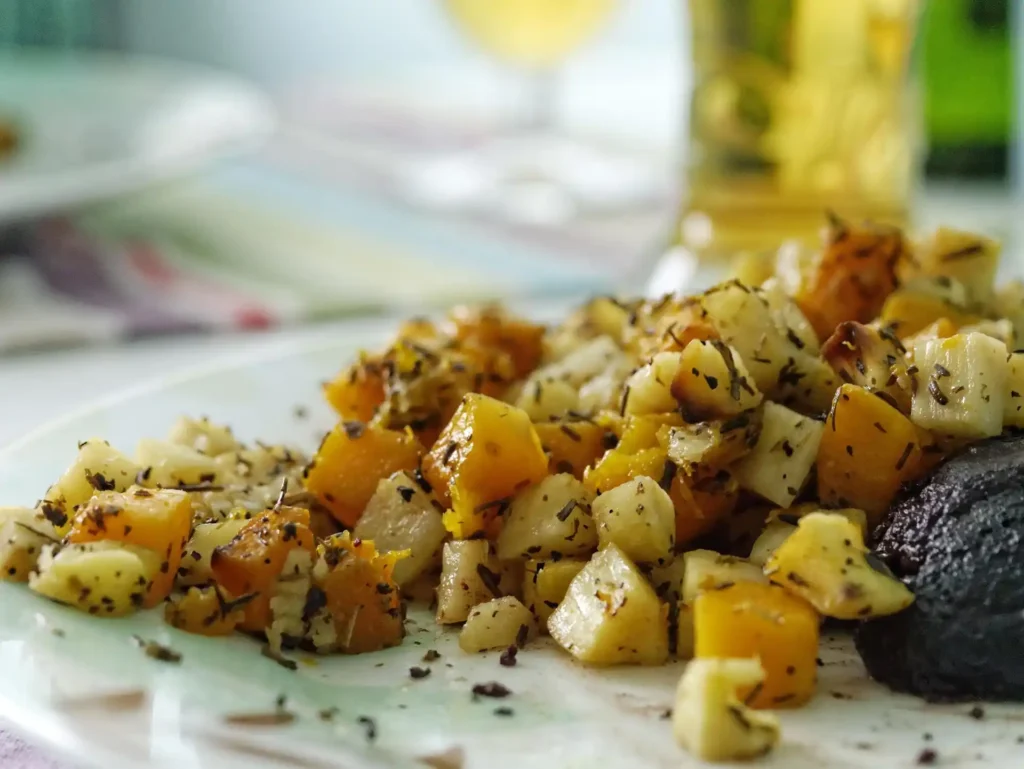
<point>708,570</point>
<point>195,566</point>
<point>709,720</point>
<point>470,575</point>
<point>168,465</point>
<point>552,517</point>
<point>97,467</point>
<point>497,624</point>
<point>23,535</point>
<point>545,584</point>
<point>650,387</point>
<point>967,257</point>
<point>638,516</point>
<point>712,382</point>
<point>545,398</point>
<point>611,615</point>
<point>1013,399</point>
<point>203,436</point>
<point>401,515</point>
<point>961,385</point>
<point>780,464</point>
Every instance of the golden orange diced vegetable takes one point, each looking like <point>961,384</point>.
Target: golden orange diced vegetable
<point>360,595</point>
<point>158,520</point>
<point>254,559</point>
<point>492,327</point>
<point>616,467</point>
<point>750,619</point>
<point>204,612</point>
<point>357,391</point>
<point>867,451</point>
<point>701,501</point>
<point>571,446</point>
<point>641,432</point>
<point>352,460</point>
<point>909,312</point>
<point>854,275</point>
<point>488,452</point>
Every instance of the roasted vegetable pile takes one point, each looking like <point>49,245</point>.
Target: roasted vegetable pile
<point>689,476</point>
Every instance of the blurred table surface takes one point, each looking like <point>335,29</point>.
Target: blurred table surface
<point>41,386</point>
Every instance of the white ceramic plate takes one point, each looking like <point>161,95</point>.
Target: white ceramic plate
<point>81,686</point>
<point>94,126</point>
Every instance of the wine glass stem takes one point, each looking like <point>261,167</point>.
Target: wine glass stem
<point>541,92</point>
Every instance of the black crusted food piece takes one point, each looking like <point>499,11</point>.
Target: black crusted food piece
<point>957,540</point>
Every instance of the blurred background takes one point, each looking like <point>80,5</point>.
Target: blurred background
<point>215,165</point>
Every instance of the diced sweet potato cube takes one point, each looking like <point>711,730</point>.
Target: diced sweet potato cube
<point>854,275</point>
<point>488,452</point>
<point>361,598</point>
<point>571,446</point>
<point>255,558</point>
<point>203,611</point>
<point>357,391</point>
<point>749,619</point>
<point>616,467</point>
<point>867,451</point>
<point>158,520</point>
<point>352,460</point>
<point>491,327</point>
<point>701,501</point>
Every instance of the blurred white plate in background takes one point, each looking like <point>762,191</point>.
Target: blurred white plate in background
<point>93,126</point>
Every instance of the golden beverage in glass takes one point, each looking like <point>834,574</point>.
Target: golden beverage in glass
<point>798,106</point>
<point>536,34</point>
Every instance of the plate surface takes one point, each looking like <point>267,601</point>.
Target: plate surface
<point>81,686</point>
<point>92,126</point>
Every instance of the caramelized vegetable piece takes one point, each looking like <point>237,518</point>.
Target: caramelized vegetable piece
<point>867,451</point>
<point>357,391</point>
<point>352,460</point>
<point>157,520</point>
<point>203,611</point>
<point>571,446</point>
<point>826,563</point>
<point>362,605</point>
<point>611,615</point>
<point>715,444</point>
<point>748,619</point>
<point>616,467</point>
<point>487,453</point>
<point>701,501</point>
<point>872,358</point>
<point>492,327</point>
<point>647,432</point>
<point>854,275</point>
<point>711,721</point>
<point>255,558</point>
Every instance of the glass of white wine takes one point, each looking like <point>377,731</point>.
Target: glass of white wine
<point>529,170</point>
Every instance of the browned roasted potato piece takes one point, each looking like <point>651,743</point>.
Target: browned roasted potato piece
<point>871,358</point>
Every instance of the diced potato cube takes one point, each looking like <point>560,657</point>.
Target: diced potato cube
<point>403,515</point>
<point>867,452</point>
<point>603,391</point>
<point>779,465</point>
<point>167,465</point>
<point>157,520</point>
<point>826,563</point>
<point>545,584</point>
<point>961,388</point>
<point>1009,303</point>
<point>714,444</point>
<point>584,362</point>
<point>767,623</point>
<point>23,535</point>
<point>470,575</point>
<point>544,399</point>
<point>783,521</point>
<point>707,570</point>
<point>195,566</point>
<point>710,720</point>
<point>352,460</point>
<point>788,317</point>
<point>98,467</point>
<point>1013,399</point>
<point>487,453</point>
<point>497,624</point>
<point>967,257</point>
<point>104,578</point>
<point>639,517</point>
<point>553,517</point>
<point>611,615</point>
<point>1001,330</point>
<point>203,436</point>
<point>667,580</point>
<point>712,382</point>
<point>771,537</point>
<point>649,389</point>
